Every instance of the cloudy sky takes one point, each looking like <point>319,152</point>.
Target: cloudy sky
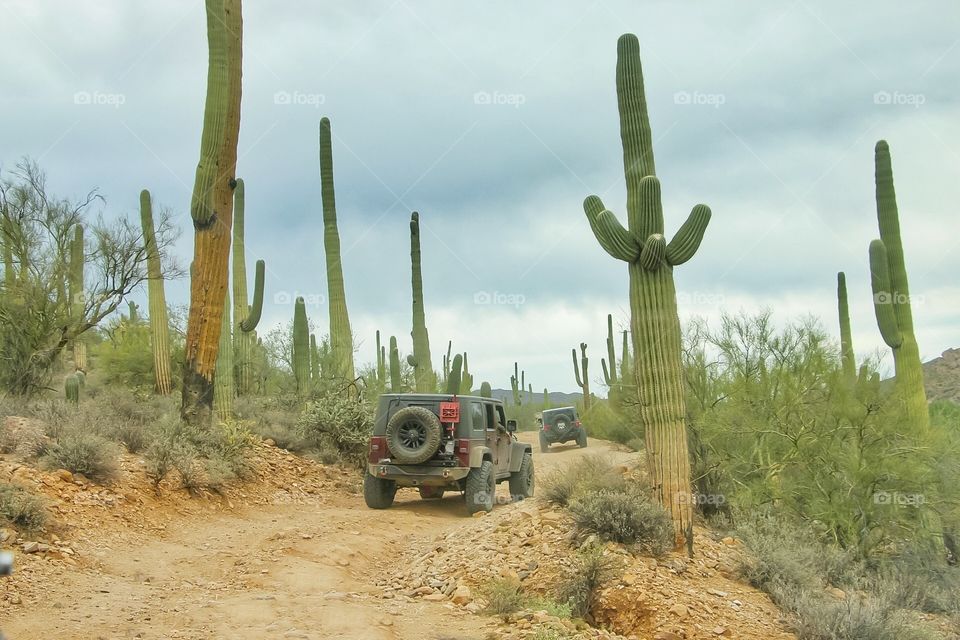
<point>494,119</point>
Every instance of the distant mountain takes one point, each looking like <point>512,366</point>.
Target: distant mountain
<point>557,398</point>
<point>941,376</point>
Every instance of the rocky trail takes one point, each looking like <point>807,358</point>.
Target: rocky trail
<point>294,554</point>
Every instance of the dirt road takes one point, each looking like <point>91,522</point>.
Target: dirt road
<point>279,571</point>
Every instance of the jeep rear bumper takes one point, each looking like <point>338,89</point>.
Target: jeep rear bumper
<point>418,475</point>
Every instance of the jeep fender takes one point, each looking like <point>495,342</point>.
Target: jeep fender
<point>477,454</point>
<point>516,455</point>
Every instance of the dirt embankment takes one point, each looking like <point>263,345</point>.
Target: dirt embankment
<point>295,554</point>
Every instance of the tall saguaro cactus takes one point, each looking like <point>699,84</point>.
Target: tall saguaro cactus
<point>396,384</point>
<point>425,379</point>
<point>157,300</point>
<point>301,348</point>
<point>582,373</point>
<point>211,208</point>
<point>891,295</point>
<point>847,358</point>
<point>77,256</point>
<point>341,339</point>
<point>245,317</point>
<point>650,259</point>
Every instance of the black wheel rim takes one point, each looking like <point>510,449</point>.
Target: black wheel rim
<point>412,435</point>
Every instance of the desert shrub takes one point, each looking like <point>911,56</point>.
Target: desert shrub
<point>582,584</point>
<point>503,596</point>
<point>549,634</point>
<point>25,437</point>
<point>589,473</point>
<point>625,517</point>
<point>203,458</point>
<point>606,423</point>
<point>21,508</point>
<point>88,454</point>
<point>278,425</point>
<point>552,607</point>
<point>339,423</point>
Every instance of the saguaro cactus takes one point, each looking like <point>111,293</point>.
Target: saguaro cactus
<point>466,378</point>
<point>582,373</point>
<point>381,363</point>
<point>516,385</point>
<point>847,358</point>
<point>396,384</point>
<point>425,379</point>
<point>891,295</point>
<point>211,208</point>
<point>77,256</point>
<point>546,398</point>
<point>156,299</point>
<point>71,388</point>
<point>301,348</point>
<point>245,317</point>
<point>314,360</point>
<point>485,390</point>
<point>224,387</point>
<point>655,325</point>
<point>453,380</point>
<point>341,339</point>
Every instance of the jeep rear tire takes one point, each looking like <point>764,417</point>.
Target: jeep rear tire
<point>377,492</point>
<point>544,445</point>
<point>481,488</point>
<point>413,435</point>
<point>521,482</point>
<point>582,438</point>
<point>431,493</point>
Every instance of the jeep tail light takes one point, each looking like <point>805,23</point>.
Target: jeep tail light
<point>463,452</point>
<point>377,449</point>
<point>546,427</point>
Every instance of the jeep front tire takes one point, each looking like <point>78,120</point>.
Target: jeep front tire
<point>377,492</point>
<point>481,488</point>
<point>521,482</point>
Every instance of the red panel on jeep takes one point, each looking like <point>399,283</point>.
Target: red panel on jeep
<point>449,412</point>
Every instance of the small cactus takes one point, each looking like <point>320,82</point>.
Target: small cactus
<point>396,383</point>
<point>301,348</point>
<point>71,387</point>
<point>485,390</point>
<point>453,380</point>
<point>466,379</point>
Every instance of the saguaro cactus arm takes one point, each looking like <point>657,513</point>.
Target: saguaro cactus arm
<point>883,295</point>
<point>453,380</point>
<point>395,382</point>
<point>256,309</point>
<point>847,358</point>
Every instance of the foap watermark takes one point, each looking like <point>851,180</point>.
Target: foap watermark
<point>299,99</point>
<point>895,297</point>
<point>899,98</point>
<point>702,298</point>
<point>99,99</point>
<point>699,98</point>
<point>898,498</point>
<point>309,299</point>
<point>700,499</point>
<point>498,298</point>
<point>499,98</point>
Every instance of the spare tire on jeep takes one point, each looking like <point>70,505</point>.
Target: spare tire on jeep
<point>413,435</point>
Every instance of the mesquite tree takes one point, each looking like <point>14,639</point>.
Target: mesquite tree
<point>38,231</point>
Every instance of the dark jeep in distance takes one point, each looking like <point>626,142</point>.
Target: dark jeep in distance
<point>443,442</point>
<point>561,425</point>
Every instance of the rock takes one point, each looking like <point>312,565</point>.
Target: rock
<point>679,610</point>
<point>479,514</point>
<point>421,591</point>
<point>31,547</point>
<point>434,597</point>
<point>719,631</point>
<point>628,579</point>
<point>666,635</point>
<point>270,442</point>
<point>718,593</point>
<point>551,516</point>
<point>462,595</point>
<point>15,599</point>
<point>839,594</point>
<point>729,541</point>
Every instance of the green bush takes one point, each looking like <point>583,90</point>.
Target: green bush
<point>88,454</point>
<point>503,596</point>
<point>589,473</point>
<point>21,508</point>
<point>204,459</point>
<point>624,517</point>
<point>338,423</point>
<point>581,586</point>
